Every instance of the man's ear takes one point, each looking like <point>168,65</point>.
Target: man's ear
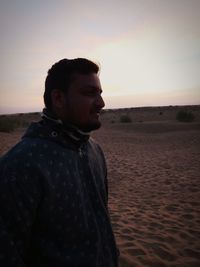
<point>57,99</point>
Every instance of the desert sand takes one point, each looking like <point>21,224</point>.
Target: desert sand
<point>154,185</point>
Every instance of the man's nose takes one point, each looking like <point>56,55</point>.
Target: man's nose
<point>100,102</point>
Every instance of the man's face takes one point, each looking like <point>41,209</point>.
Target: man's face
<point>83,102</point>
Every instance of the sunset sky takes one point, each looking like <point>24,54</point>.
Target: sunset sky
<point>149,50</point>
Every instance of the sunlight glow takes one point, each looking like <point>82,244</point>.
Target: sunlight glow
<point>148,50</point>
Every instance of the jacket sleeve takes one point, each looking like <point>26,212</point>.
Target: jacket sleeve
<point>9,255</point>
<point>19,198</point>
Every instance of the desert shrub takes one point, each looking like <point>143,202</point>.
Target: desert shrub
<point>125,118</point>
<point>7,124</point>
<point>185,116</point>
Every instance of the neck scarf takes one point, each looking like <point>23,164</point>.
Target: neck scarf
<point>68,129</point>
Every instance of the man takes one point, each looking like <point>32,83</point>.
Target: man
<point>53,187</point>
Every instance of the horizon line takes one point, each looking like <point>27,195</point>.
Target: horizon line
<point>110,109</point>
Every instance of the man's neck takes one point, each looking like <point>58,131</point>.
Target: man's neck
<point>70,130</point>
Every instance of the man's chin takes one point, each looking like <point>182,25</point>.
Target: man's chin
<point>91,127</point>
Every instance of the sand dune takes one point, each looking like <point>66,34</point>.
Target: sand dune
<point>155,194</point>
<point>154,184</point>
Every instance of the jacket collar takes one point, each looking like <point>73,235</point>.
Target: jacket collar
<point>68,130</point>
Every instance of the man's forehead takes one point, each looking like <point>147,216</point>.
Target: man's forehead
<point>86,80</point>
<point>77,76</point>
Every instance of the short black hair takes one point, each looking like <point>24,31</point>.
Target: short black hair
<point>60,74</point>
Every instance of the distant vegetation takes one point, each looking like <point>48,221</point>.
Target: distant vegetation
<point>8,124</point>
<point>125,118</point>
<point>185,116</point>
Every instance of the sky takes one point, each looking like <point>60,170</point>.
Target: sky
<point>148,50</point>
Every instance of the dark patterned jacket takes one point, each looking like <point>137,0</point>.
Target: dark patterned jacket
<point>53,202</point>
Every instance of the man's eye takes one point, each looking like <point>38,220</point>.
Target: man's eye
<point>89,93</point>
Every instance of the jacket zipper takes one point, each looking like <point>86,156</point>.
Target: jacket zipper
<point>80,152</point>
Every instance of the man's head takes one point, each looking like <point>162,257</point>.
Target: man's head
<point>73,93</point>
